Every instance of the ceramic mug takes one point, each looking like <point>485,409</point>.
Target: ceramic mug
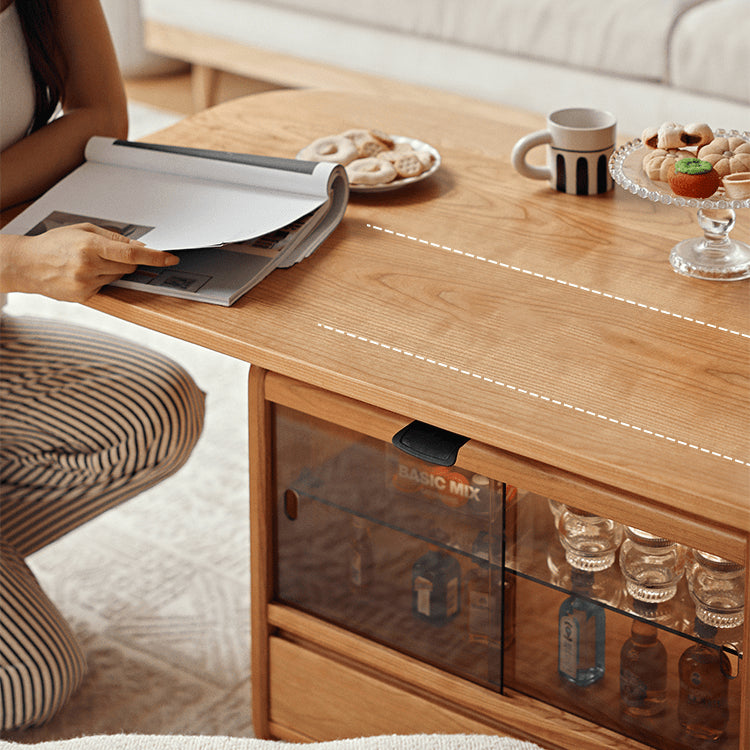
<point>580,142</point>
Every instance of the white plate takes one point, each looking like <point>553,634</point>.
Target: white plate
<point>400,182</point>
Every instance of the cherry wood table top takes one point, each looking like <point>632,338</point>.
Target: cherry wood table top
<point>550,326</point>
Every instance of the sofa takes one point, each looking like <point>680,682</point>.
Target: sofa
<point>126,28</point>
<point>648,61</point>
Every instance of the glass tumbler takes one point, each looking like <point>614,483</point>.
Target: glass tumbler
<point>651,565</point>
<point>717,587</point>
<point>590,542</point>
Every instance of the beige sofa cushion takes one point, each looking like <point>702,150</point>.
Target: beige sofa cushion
<point>710,52</point>
<point>622,37</point>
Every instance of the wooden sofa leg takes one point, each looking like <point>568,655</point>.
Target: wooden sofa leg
<point>205,85</point>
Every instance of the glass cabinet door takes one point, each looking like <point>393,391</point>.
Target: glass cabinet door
<point>397,549</point>
<point>625,627</point>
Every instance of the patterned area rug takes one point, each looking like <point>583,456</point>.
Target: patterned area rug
<point>158,588</point>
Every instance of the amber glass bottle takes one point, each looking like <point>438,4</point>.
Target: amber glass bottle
<point>703,708</point>
<point>643,671</point>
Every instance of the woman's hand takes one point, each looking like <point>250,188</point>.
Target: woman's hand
<point>72,263</point>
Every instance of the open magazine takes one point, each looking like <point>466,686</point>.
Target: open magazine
<point>232,218</point>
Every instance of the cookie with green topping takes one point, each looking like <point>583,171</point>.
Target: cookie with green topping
<point>694,178</point>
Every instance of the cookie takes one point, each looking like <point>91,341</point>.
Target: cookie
<point>370,171</point>
<point>332,148</point>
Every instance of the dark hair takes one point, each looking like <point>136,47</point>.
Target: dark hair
<point>45,57</point>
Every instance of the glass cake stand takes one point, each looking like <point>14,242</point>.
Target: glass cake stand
<point>714,256</point>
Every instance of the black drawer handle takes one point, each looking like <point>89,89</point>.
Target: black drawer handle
<point>428,443</point>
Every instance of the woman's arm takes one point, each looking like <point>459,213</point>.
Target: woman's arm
<point>71,263</point>
<point>94,104</point>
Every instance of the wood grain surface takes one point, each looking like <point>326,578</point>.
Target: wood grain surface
<point>550,326</point>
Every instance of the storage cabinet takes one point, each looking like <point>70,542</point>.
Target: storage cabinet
<point>393,594</point>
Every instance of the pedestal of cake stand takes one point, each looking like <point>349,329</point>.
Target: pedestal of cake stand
<point>714,256</point>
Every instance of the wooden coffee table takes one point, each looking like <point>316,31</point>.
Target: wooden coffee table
<point>549,329</point>
<point>569,299</point>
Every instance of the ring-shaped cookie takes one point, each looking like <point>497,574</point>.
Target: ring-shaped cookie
<point>335,148</point>
<point>370,171</point>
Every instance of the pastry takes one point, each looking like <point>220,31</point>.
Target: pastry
<point>659,163</point>
<point>727,154</point>
<point>697,134</point>
<point>650,137</point>
<point>694,178</point>
<point>671,135</point>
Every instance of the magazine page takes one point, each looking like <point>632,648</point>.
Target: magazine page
<point>215,275</point>
<point>176,210</point>
<point>315,230</point>
<point>268,173</point>
<point>221,275</point>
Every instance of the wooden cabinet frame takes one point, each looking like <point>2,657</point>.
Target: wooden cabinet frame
<point>314,681</point>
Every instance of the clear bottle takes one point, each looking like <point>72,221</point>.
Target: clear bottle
<point>590,543</point>
<point>651,567</point>
<point>703,703</point>
<point>581,634</point>
<point>717,588</point>
<point>643,672</point>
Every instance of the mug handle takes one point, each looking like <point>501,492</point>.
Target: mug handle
<point>522,147</point>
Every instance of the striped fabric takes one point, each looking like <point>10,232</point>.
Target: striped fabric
<point>86,421</point>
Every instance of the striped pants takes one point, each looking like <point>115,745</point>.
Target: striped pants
<point>86,421</point>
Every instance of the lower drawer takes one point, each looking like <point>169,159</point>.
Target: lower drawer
<point>324,699</point>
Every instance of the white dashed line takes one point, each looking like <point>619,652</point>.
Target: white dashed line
<point>563,282</point>
<point>525,392</point>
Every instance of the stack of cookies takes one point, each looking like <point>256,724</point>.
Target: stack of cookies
<point>370,157</point>
<point>694,161</point>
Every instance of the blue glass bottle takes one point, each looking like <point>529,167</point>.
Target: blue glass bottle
<point>581,634</point>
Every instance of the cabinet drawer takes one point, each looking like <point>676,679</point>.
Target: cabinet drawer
<point>332,700</point>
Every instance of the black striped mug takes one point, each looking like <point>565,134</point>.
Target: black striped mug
<point>579,143</point>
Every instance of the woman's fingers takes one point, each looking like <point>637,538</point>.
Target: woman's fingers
<point>135,254</point>
<point>119,249</point>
